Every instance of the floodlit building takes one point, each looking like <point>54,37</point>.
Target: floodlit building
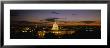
<point>55,26</point>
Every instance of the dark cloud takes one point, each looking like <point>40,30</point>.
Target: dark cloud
<point>55,12</point>
<point>52,19</point>
<point>87,22</point>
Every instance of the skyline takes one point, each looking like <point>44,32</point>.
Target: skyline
<point>55,24</point>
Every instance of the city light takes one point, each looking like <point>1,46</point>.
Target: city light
<point>55,24</point>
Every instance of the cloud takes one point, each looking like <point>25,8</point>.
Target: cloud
<point>52,19</point>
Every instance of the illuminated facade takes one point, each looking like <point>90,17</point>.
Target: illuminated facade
<point>55,26</point>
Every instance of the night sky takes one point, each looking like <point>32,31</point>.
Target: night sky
<point>60,15</point>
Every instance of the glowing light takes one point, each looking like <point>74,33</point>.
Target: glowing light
<point>41,34</point>
<point>22,31</point>
<point>30,31</point>
<point>27,28</point>
<point>55,26</point>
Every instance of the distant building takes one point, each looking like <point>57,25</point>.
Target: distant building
<point>55,26</point>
